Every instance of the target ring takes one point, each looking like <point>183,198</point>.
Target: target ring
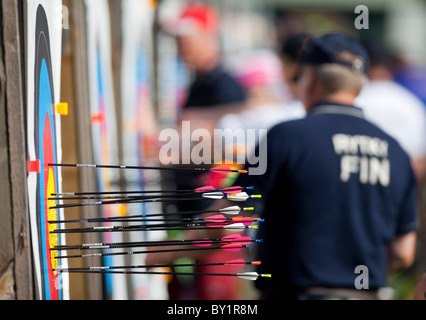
<point>45,147</point>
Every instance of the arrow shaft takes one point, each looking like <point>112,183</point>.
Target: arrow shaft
<point>127,219</point>
<point>108,219</point>
<point>136,252</point>
<point>131,200</point>
<point>229,189</point>
<point>153,229</point>
<point>139,227</point>
<point>188,220</point>
<point>118,245</point>
<point>119,197</point>
<point>105,166</point>
<point>226,239</point>
<point>240,264</point>
<point>157,273</point>
<point>119,192</point>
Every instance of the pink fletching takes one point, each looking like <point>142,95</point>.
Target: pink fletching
<point>231,190</point>
<point>244,220</point>
<point>204,189</point>
<point>216,218</point>
<point>244,241</point>
<point>236,263</point>
<point>232,237</point>
<point>202,243</point>
<point>220,169</point>
<point>216,221</point>
<point>216,224</point>
<point>233,247</point>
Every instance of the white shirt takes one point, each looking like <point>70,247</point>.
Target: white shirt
<point>398,112</point>
<point>261,117</point>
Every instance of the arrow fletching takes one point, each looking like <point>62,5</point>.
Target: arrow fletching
<point>232,237</point>
<point>246,220</point>
<point>252,275</point>
<point>242,196</point>
<point>202,243</point>
<point>236,263</point>
<point>234,247</point>
<point>217,221</point>
<point>239,226</point>
<point>204,189</point>
<point>234,210</point>
<point>213,195</point>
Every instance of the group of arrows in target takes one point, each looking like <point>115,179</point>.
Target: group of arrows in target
<point>225,218</point>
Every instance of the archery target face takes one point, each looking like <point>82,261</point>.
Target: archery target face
<point>43,131</point>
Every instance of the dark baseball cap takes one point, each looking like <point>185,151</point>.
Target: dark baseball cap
<point>336,48</point>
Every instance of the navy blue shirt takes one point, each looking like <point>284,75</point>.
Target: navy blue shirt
<point>215,88</point>
<point>337,189</point>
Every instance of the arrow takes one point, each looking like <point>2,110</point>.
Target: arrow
<point>164,226</point>
<point>237,239</point>
<point>233,247</point>
<point>123,199</point>
<point>252,276</point>
<point>230,263</point>
<point>210,195</point>
<point>207,190</point>
<point>214,219</point>
<point>217,219</point>
<point>104,166</point>
<point>233,210</point>
<point>198,242</point>
<point>235,189</point>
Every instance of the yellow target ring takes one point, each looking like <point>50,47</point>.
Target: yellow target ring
<point>52,214</point>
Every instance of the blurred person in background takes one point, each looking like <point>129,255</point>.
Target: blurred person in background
<point>401,114</point>
<point>269,100</point>
<point>339,192</point>
<point>290,52</point>
<point>213,92</point>
<point>393,108</point>
<point>269,79</point>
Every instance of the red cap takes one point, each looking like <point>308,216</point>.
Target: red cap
<point>195,16</point>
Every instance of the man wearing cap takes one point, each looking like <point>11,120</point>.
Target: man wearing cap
<point>197,35</point>
<point>339,194</point>
<point>213,92</point>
